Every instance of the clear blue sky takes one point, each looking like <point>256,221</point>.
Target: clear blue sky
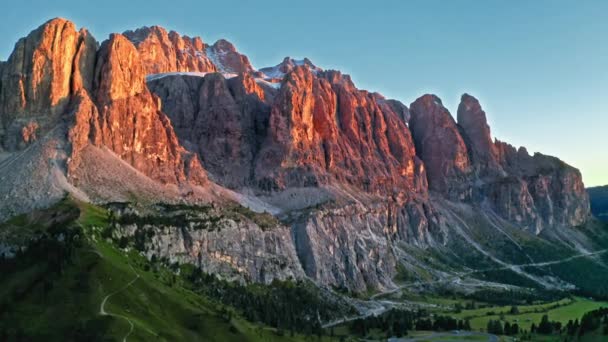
<point>540,68</point>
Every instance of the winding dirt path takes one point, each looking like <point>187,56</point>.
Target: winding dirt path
<point>103,312</point>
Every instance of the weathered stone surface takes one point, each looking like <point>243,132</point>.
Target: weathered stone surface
<point>130,121</point>
<point>36,82</point>
<point>229,245</point>
<point>472,119</point>
<point>441,147</point>
<point>352,246</point>
<point>227,59</point>
<point>322,128</point>
<point>546,192</point>
<point>169,52</point>
<point>223,121</point>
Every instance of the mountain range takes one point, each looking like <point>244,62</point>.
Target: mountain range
<point>302,175</point>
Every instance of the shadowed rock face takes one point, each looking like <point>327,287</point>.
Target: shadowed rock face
<point>598,197</point>
<point>474,124</point>
<point>441,147</point>
<point>539,191</point>
<point>223,121</point>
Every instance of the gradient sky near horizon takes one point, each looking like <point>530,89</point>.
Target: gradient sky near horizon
<point>539,68</point>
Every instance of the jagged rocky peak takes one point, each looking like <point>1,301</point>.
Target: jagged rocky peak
<point>130,122</point>
<point>325,128</point>
<point>307,133</point>
<point>463,163</point>
<point>394,105</point>
<point>36,82</point>
<point>287,65</point>
<point>119,73</point>
<point>472,119</point>
<point>227,59</point>
<point>163,52</point>
<point>440,146</point>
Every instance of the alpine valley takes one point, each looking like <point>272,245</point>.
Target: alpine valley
<point>157,187</point>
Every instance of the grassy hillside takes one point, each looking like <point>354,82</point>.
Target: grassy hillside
<point>73,282</point>
<point>54,291</point>
<point>561,311</point>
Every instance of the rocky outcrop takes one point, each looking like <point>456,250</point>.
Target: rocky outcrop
<point>441,147</point>
<point>36,82</point>
<point>474,124</point>
<point>316,129</point>
<point>221,120</point>
<point>352,246</point>
<point>219,240</point>
<point>544,191</point>
<point>56,76</point>
<point>130,121</point>
<point>288,64</point>
<point>323,129</point>
<point>463,163</point>
<point>163,52</point>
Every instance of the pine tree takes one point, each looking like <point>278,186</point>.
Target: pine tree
<point>507,329</point>
<point>499,330</point>
<point>514,329</point>
<point>545,327</point>
<point>467,324</point>
<point>490,327</point>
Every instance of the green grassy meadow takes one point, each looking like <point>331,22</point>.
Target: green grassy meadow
<point>38,302</point>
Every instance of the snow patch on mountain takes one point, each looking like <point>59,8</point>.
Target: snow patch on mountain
<point>275,85</point>
<point>288,64</point>
<point>152,77</point>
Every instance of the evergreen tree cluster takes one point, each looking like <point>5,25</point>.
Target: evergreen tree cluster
<point>514,296</point>
<point>286,305</point>
<point>395,322</point>
<point>497,328</point>
<point>593,320</point>
<point>442,323</point>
